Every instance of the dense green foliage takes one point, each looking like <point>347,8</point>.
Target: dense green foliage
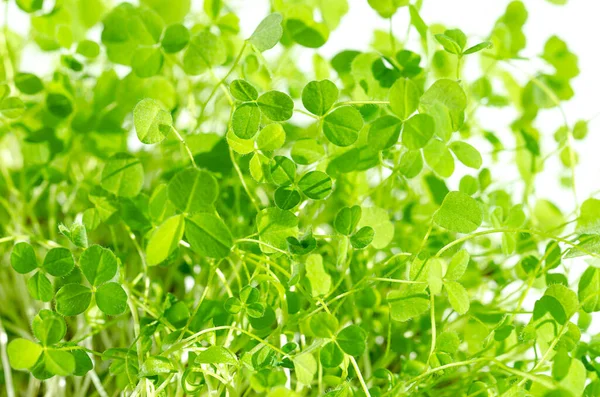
<point>183,215</point>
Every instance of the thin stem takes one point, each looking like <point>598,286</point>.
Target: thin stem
<point>185,145</point>
<point>242,180</point>
<point>360,377</point>
<point>433,326</point>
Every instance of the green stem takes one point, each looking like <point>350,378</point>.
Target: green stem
<point>185,145</point>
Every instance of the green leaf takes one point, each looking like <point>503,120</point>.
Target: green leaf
<point>449,44</point>
<point>478,47</point>
<point>305,367</point>
<point>111,299</point>
<point>439,158</point>
<point>193,190</point>
<point>459,213</point>
<point>271,137</point>
<point>208,235</point>
<point>384,132</point>
<point>417,131</point>
<point>246,120</point>
<point>12,107</point>
<point>449,94</point>
<point>28,83</point>
<point>243,90</point>
<point>448,342</point>
<point>152,122</point>
<point>458,265</point>
<point>316,185</point>
<point>204,51</point>
<point>589,218</point>
<point>319,96</point>
<point>175,38</point>
<point>378,219</point>
<point>156,365</point>
<point>98,264</point>
<point>58,262</point>
<point>40,288</point>
<point>59,105</point>
<point>59,362</point>
<point>48,327</point>
<point>123,175</point>
<point>83,363</point>
<point>307,151</point>
<point>147,61</point>
<point>331,355</point>
<point>434,276</point>
<point>589,285</point>
<point>282,171</point>
<point>286,197</point>
<point>73,299</point>
<point>362,238</point>
<point>307,33</point>
<point>23,353</point>
<point>320,280</point>
<point>22,258</point>
<point>352,340</point>
<point>89,49</point>
<point>457,296</point>
<point>404,98</point>
<point>324,325</point>
<point>341,126</point>
<point>268,33</point>
<point>467,154</point>
<point>411,163</point>
<point>164,240</point>
<point>274,227</point>
<point>276,105</point>
<point>346,220</point>
<point>216,355</point>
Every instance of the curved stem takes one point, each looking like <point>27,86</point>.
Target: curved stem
<point>185,145</point>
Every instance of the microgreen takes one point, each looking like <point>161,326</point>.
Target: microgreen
<point>189,210</point>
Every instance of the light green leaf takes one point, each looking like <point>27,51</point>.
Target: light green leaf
<point>59,362</point>
<point>164,240</point>
<point>307,33</point>
<point>434,276</point>
<point>147,61</point>
<point>439,158</point>
<point>362,238</point>
<point>457,296</point>
<point>378,219</point>
<point>98,264</point>
<point>12,107</point>
<point>216,355</point>
<point>346,220</point>
<point>589,218</point>
<point>384,132</point>
<point>276,105</point>
<point>458,265</point>
<point>123,175</point>
<point>271,137</point>
<point>307,151</point>
<point>23,353</point>
<point>404,98</point>
<point>478,47</point>
<point>48,327</point>
<point>305,367</point>
<point>448,93</point>
<point>467,154</point>
<point>208,235</point>
<point>417,131</point>
<point>319,96</point>
<point>316,185</point>
<point>342,126</point>
<point>243,91</point>
<point>193,190</point>
<point>589,285</point>
<point>459,213</point>
<point>152,122</point>
<point>204,51</point>
<point>157,365</point>
<point>320,280</point>
<point>274,226</point>
<point>246,120</point>
<point>268,33</point>
<point>324,325</point>
<point>175,38</point>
